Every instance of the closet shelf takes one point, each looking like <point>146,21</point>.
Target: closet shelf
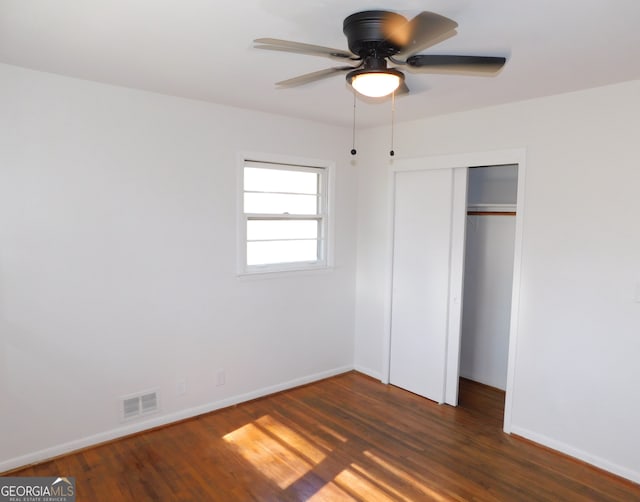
<point>479,209</point>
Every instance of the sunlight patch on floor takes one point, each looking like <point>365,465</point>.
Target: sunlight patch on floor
<point>291,438</point>
<point>355,481</point>
<point>333,433</point>
<point>406,478</point>
<point>285,457</point>
<point>331,492</point>
<point>275,450</point>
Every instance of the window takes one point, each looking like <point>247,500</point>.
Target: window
<point>284,217</point>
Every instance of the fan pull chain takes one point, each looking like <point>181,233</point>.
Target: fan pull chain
<point>393,118</point>
<point>353,137</point>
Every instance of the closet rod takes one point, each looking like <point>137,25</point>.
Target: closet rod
<point>491,213</point>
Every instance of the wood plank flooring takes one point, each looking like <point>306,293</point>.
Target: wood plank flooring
<point>345,438</point>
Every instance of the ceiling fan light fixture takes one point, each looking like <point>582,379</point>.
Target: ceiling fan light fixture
<point>375,83</point>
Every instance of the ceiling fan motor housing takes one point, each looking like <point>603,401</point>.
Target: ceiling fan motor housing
<point>368,33</point>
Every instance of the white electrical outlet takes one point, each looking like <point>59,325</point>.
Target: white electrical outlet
<point>221,378</point>
<point>181,387</point>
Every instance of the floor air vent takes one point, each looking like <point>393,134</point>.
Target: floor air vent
<point>139,404</point>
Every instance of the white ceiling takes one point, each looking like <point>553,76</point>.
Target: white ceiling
<point>202,49</point>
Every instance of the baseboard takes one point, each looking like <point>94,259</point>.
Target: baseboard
<point>369,372</point>
<point>158,421</point>
<point>594,460</point>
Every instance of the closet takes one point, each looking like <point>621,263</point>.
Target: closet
<point>488,274</point>
<point>455,235</point>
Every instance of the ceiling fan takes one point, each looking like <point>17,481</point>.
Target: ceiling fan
<point>377,38</point>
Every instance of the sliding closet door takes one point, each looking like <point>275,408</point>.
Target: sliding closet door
<point>422,301</point>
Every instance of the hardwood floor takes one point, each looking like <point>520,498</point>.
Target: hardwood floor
<point>345,438</point>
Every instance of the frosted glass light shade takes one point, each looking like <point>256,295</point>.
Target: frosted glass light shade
<point>375,84</point>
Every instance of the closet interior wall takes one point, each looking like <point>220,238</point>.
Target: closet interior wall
<point>488,275</point>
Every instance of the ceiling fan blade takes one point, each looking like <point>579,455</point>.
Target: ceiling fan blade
<point>307,78</point>
<point>276,44</point>
<point>457,64</point>
<point>423,31</point>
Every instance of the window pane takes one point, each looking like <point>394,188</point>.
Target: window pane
<point>268,252</point>
<point>279,180</point>
<point>282,229</point>
<point>272,203</point>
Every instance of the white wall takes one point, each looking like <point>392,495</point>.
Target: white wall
<point>117,262</point>
<point>576,369</point>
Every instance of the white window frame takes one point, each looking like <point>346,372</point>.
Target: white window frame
<point>326,188</point>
